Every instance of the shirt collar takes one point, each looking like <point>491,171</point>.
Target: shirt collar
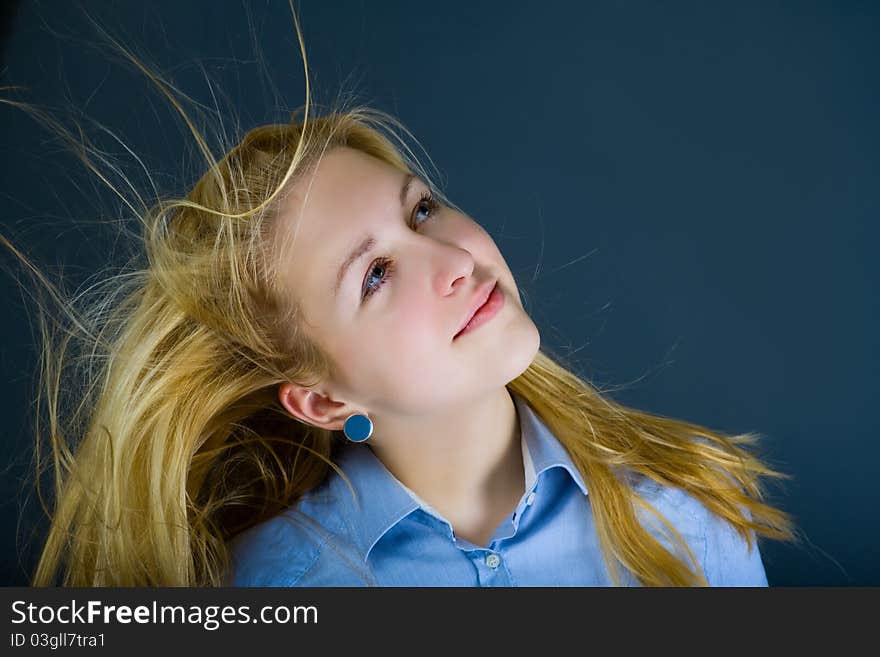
<point>382,500</point>
<point>542,447</point>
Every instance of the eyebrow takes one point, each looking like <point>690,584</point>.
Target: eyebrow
<point>369,241</point>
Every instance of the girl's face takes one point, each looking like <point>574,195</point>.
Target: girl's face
<point>389,325</point>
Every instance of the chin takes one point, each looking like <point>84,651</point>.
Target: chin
<point>521,350</point>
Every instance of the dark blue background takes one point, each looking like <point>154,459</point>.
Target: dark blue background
<point>685,191</point>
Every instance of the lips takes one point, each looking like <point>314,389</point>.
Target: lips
<point>480,297</point>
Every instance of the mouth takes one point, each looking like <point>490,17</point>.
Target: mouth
<point>489,309</point>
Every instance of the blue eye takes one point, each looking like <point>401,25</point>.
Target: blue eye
<point>382,268</point>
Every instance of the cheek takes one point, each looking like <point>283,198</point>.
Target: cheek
<point>483,247</point>
<point>389,354</point>
<point>490,248</point>
<point>397,372</point>
<point>416,322</point>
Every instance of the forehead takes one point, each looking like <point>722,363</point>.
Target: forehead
<point>339,195</point>
<point>344,196</point>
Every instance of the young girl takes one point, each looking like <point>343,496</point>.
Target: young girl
<point>323,375</point>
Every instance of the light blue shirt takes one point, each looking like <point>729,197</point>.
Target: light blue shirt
<point>393,538</point>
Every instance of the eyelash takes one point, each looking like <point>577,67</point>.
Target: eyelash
<point>426,199</point>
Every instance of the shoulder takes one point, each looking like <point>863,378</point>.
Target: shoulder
<point>297,547</point>
<point>725,556</point>
<point>730,559</point>
<point>276,552</point>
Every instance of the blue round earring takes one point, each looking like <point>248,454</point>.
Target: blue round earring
<point>358,427</point>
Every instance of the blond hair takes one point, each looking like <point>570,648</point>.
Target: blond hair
<point>173,439</point>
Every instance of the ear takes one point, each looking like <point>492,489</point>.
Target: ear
<point>313,407</point>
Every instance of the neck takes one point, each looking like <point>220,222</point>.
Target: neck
<point>466,464</point>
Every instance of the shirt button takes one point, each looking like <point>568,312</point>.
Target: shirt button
<point>530,499</point>
<point>493,560</point>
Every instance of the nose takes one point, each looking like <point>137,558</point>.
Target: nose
<point>454,265</point>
